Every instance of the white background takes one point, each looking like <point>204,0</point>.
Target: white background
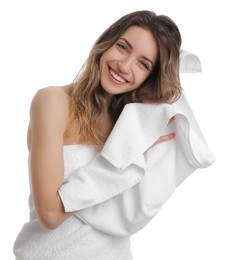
<point>45,42</point>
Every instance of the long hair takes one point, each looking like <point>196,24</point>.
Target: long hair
<point>162,86</point>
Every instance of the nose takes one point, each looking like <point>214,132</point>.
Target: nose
<point>125,65</point>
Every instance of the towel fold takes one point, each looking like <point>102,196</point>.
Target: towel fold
<point>189,62</point>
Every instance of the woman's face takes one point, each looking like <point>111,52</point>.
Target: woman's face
<point>126,65</point>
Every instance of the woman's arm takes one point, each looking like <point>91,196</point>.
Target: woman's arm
<point>48,117</point>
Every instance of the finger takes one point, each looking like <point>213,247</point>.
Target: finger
<point>170,120</point>
<point>165,138</point>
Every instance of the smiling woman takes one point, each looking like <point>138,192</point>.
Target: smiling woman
<point>94,180</point>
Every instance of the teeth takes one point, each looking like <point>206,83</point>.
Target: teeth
<point>117,77</point>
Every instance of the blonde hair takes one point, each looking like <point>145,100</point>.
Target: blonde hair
<point>162,86</point>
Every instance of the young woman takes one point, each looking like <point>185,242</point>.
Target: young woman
<point>136,60</point>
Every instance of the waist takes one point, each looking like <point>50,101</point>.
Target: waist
<point>73,238</point>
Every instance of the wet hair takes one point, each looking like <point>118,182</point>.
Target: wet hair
<point>88,102</point>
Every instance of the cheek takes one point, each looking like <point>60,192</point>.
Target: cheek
<point>104,59</point>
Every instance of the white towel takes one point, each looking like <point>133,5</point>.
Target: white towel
<point>124,186</point>
<point>189,62</point>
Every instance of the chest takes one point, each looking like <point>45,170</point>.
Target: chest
<point>76,156</point>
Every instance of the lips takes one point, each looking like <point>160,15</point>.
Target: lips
<point>117,77</point>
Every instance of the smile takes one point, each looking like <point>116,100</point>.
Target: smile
<point>117,77</point>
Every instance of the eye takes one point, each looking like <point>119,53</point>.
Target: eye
<point>144,64</point>
<point>122,46</point>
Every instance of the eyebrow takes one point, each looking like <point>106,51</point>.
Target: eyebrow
<point>131,47</point>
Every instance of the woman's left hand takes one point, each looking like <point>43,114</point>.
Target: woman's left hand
<point>164,138</point>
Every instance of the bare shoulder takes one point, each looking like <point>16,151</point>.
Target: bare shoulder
<point>50,105</point>
<point>51,95</point>
<point>50,98</point>
<point>49,113</point>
